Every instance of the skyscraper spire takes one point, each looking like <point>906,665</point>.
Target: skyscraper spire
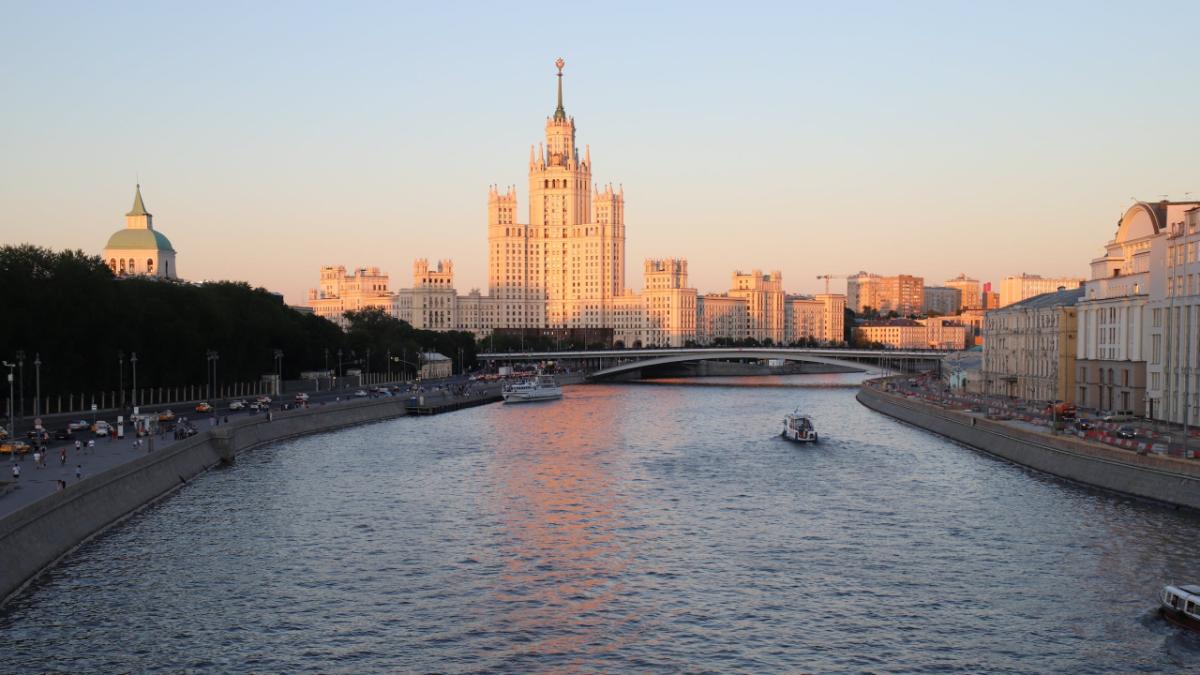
<point>560,114</point>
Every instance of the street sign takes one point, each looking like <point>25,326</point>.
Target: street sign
<point>93,407</point>
<point>37,423</point>
<point>135,410</point>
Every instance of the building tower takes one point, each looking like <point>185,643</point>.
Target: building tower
<point>563,269</point>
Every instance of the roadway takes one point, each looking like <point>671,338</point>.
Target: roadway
<point>35,483</point>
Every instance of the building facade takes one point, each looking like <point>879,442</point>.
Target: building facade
<point>1018,288</point>
<point>969,290</point>
<point>1173,386</point>
<point>339,292</point>
<point>820,317</point>
<point>935,333</point>
<point>1029,348</point>
<point>903,293</point>
<point>139,249</point>
<point>941,300</point>
<point>764,298</point>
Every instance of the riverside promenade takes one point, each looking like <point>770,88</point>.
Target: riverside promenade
<point>1151,476</point>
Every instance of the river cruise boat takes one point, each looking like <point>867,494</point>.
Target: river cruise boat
<point>539,388</point>
<point>1181,605</point>
<point>798,428</point>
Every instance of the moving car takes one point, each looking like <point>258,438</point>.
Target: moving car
<point>64,434</point>
<point>361,394</point>
<point>237,405</point>
<point>264,400</point>
<point>14,448</point>
<point>1127,432</point>
<point>79,425</point>
<point>203,407</point>
<point>102,429</point>
<point>1086,424</point>
<point>1119,416</point>
<point>301,397</point>
<point>166,416</point>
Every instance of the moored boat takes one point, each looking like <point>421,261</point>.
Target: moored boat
<point>799,428</point>
<point>1181,605</point>
<point>540,388</point>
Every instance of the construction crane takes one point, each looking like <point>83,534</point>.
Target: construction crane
<point>827,277</point>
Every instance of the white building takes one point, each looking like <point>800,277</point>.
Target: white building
<point>139,249</point>
<point>1018,288</point>
<point>1173,369</point>
<point>1029,347</point>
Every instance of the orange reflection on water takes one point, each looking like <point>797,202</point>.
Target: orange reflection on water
<point>559,471</point>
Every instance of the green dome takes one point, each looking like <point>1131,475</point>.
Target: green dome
<point>139,239</point>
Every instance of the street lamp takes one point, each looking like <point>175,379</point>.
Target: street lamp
<point>339,362</point>
<point>121,376</point>
<point>210,367</point>
<point>278,372</point>
<point>21,380</point>
<point>12,425</point>
<point>37,369</point>
<point>133,362</point>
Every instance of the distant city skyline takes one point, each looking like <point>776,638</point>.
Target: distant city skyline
<point>927,140</point>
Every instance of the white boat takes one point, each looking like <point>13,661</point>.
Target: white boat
<point>1181,605</point>
<point>799,428</point>
<point>540,388</point>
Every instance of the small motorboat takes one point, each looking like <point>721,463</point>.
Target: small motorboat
<point>1181,605</point>
<point>540,388</point>
<point>798,428</point>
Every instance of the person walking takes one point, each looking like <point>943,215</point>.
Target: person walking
<point>62,455</point>
<point>37,459</point>
<point>78,472</point>
<point>16,471</point>
<point>78,445</point>
<point>91,445</point>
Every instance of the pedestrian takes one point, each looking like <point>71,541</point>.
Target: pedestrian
<point>16,470</point>
<point>62,455</point>
<point>37,459</point>
<point>78,472</point>
<point>91,445</point>
<point>62,484</point>
<point>78,445</point>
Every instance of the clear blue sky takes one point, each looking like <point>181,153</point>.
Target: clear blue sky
<point>925,138</point>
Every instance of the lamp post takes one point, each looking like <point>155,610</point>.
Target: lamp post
<point>210,367</point>
<point>389,364</point>
<point>278,372</point>
<point>12,424</point>
<point>339,371</point>
<point>133,362</point>
<point>37,370</point>
<point>21,382</point>
<point>121,377</point>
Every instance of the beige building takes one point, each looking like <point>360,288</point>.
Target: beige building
<point>942,300</point>
<point>1018,288</point>
<point>431,303</point>
<point>764,298</point>
<point>139,249</point>
<point>969,289</point>
<point>435,365</point>
<point>1029,348</point>
<point>935,333</point>
<point>903,293</point>
<point>721,318</point>
<point>820,317</point>
<point>566,266</point>
<point>340,292</point>
<point>1173,387</point>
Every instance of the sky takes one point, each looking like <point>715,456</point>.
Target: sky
<point>925,138</point>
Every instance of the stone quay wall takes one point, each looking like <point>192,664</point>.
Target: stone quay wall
<point>34,538</point>
<point>1163,479</point>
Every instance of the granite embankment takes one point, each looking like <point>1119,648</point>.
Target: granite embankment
<point>1159,478</point>
<point>33,538</point>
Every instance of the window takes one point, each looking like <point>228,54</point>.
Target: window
<point>149,265</point>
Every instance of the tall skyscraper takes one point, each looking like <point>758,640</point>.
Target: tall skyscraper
<point>564,268</point>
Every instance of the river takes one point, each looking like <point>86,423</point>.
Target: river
<point>626,528</point>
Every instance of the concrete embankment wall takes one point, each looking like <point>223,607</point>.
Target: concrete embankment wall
<point>1162,479</point>
<point>35,537</point>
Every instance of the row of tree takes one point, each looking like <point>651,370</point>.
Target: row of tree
<point>67,310</point>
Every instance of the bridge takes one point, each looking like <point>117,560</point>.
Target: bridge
<point>629,363</point>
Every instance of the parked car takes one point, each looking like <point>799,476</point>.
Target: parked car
<point>14,448</point>
<point>237,405</point>
<point>79,425</point>
<point>3,433</point>
<point>1127,432</point>
<point>1119,416</point>
<point>1086,425</point>
<point>203,407</point>
<point>264,400</point>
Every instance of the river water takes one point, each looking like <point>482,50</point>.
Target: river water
<point>626,528</point>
